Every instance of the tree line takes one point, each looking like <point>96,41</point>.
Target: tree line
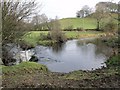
<point>102,10</point>
<point>105,6</point>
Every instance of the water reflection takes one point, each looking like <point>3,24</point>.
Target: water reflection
<point>100,46</point>
<point>57,47</point>
<point>74,55</point>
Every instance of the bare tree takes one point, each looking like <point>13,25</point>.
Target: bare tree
<point>0,20</point>
<point>119,16</point>
<point>80,14</point>
<point>115,8</point>
<point>85,11</point>
<point>40,22</point>
<point>109,6</point>
<point>14,25</point>
<point>13,19</point>
<point>56,31</point>
<point>99,14</point>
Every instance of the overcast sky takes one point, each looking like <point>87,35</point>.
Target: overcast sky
<point>66,8</point>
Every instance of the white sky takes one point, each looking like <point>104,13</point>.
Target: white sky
<point>66,8</point>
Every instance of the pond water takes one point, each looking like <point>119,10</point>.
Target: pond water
<point>73,55</point>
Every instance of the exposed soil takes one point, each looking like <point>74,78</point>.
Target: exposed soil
<point>39,79</point>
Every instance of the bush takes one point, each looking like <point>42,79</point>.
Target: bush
<point>45,42</point>
<point>25,45</point>
<point>49,36</point>
<point>69,28</point>
<point>56,32</point>
<point>80,29</point>
<point>58,36</point>
<point>113,42</point>
<point>114,61</point>
<point>43,36</point>
<point>109,27</point>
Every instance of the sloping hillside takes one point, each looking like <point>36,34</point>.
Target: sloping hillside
<point>86,23</point>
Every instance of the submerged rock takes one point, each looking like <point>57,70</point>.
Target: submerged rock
<point>34,59</point>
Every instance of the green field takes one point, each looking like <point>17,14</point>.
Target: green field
<point>86,23</point>
<point>33,37</point>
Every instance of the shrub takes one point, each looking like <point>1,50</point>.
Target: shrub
<point>114,61</point>
<point>58,36</point>
<point>25,45</point>
<point>56,32</point>
<point>80,29</point>
<point>49,36</point>
<point>45,42</point>
<point>43,36</point>
<point>69,28</point>
<point>110,27</point>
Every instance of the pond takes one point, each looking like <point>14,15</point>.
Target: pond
<point>73,55</point>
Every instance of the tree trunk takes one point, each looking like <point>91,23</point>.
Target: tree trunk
<point>98,26</point>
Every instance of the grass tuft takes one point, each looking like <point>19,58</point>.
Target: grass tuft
<point>24,67</point>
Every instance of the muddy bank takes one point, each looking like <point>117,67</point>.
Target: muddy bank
<point>28,77</point>
<point>56,81</point>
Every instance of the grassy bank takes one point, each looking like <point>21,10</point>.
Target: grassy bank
<point>33,37</point>
<point>22,74</point>
<point>82,34</point>
<point>112,69</point>
<point>24,67</point>
<point>37,37</point>
<point>30,74</point>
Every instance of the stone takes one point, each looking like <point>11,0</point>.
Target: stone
<point>34,59</point>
